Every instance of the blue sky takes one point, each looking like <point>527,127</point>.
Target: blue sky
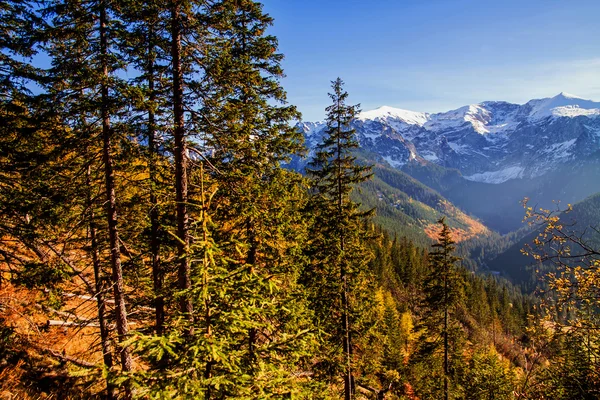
<point>436,55</point>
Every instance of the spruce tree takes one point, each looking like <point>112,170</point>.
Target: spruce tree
<point>247,133</point>
<point>246,332</point>
<point>145,45</point>
<point>19,41</point>
<point>50,169</point>
<point>340,255</point>
<point>181,158</point>
<point>443,294</point>
<point>246,116</point>
<point>87,94</point>
<point>19,134</point>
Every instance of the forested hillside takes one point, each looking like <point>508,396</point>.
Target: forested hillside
<point>153,246</point>
<point>499,206</point>
<point>581,219</point>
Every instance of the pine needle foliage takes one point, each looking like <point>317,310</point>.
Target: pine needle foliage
<point>444,294</point>
<point>338,277</point>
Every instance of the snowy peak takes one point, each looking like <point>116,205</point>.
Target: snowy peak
<point>475,114</point>
<point>562,105</point>
<point>486,117</point>
<point>386,113</point>
<point>491,142</point>
<point>566,95</point>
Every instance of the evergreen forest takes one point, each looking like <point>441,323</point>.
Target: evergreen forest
<point>154,244</point>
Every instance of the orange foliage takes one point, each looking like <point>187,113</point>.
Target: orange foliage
<point>475,228</point>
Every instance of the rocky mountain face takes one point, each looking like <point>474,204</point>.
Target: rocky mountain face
<point>487,157</point>
<point>491,142</point>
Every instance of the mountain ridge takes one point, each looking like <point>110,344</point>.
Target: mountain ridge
<point>476,112</point>
<point>485,158</point>
<point>490,142</point>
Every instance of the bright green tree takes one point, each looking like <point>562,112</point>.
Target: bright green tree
<point>488,377</point>
<point>247,129</point>
<point>243,330</point>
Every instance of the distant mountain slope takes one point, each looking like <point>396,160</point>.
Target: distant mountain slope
<point>409,208</point>
<point>585,217</point>
<point>499,206</point>
<point>487,157</point>
<point>406,207</point>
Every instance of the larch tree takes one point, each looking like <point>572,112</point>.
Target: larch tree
<point>337,276</point>
<point>567,244</point>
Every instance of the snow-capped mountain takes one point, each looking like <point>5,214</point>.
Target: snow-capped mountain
<point>490,142</point>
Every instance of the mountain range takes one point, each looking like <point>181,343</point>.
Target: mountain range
<point>481,160</point>
<point>490,142</point>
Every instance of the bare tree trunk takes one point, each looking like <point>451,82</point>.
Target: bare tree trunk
<point>100,283</point>
<point>111,205</point>
<point>181,162</point>
<point>205,271</point>
<point>446,370</point>
<point>348,379</point>
<point>157,273</point>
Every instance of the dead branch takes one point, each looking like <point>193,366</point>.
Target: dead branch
<point>64,357</point>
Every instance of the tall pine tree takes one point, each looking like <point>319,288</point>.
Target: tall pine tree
<point>337,276</point>
<point>443,295</point>
<point>88,98</point>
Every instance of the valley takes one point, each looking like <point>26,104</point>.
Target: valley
<point>194,206</point>
<point>475,165</point>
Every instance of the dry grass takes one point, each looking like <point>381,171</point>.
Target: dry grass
<point>32,364</point>
<point>475,228</point>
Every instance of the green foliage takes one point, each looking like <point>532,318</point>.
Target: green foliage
<point>488,378</point>
<point>37,275</point>
<point>444,286</point>
<point>291,285</point>
<point>337,280</point>
<point>574,372</point>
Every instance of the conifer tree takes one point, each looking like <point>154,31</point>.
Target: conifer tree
<point>444,292</point>
<point>82,81</point>
<point>19,136</point>
<point>181,158</point>
<point>247,119</point>
<point>19,40</point>
<point>111,197</point>
<point>145,44</point>
<point>49,168</point>
<point>340,254</point>
<point>246,332</point>
<point>248,133</point>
